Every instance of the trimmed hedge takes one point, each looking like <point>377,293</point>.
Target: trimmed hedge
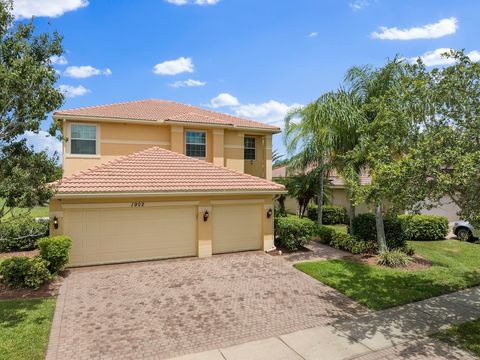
<point>364,227</point>
<point>21,233</point>
<point>21,271</point>
<point>352,244</point>
<point>325,234</point>
<point>55,250</point>
<point>332,215</point>
<point>294,232</point>
<point>424,227</point>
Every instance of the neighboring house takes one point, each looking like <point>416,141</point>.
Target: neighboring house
<point>338,196</point>
<point>158,179</point>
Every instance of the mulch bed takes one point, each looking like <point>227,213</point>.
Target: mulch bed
<point>282,251</point>
<point>30,253</point>
<point>47,290</point>
<point>418,263</point>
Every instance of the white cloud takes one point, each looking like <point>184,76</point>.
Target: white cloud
<point>430,31</point>
<point>224,99</point>
<point>271,112</point>
<point>435,58</point>
<point>313,34</point>
<point>81,72</point>
<point>174,67</point>
<point>73,91</point>
<point>43,141</point>
<point>196,2</point>
<point>58,60</point>
<point>359,4</point>
<point>24,9</point>
<point>188,83</point>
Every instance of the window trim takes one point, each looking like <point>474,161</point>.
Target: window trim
<point>255,148</point>
<point>206,143</point>
<point>97,142</point>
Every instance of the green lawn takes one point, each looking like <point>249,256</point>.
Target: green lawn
<point>456,266</point>
<point>466,336</point>
<point>340,228</point>
<point>37,211</point>
<point>25,327</point>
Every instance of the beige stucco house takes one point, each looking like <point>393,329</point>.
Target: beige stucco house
<point>157,179</point>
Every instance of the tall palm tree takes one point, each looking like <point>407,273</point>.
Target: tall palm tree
<point>366,84</point>
<point>319,131</point>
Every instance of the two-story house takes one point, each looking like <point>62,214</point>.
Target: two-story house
<point>156,179</point>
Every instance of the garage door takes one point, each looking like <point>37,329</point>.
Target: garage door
<point>103,235</point>
<point>236,228</point>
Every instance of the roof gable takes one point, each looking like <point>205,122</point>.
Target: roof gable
<point>163,111</point>
<point>157,170</point>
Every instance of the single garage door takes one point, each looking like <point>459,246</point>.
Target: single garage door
<point>103,235</point>
<point>237,228</point>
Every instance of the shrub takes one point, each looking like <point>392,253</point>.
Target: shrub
<point>332,215</point>
<point>394,258</point>
<point>409,250</point>
<point>326,234</point>
<point>424,227</point>
<point>56,251</point>
<point>294,232</point>
<point>364,228</point>
<point>352,244</point>
<point>21,233</point>
<point>20,271</point>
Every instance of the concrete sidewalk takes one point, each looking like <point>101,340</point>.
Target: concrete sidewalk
<point>397,333</point>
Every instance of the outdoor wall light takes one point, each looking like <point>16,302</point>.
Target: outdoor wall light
<point>269,213</point>
<point>205,215</point>
<point>55,222</point>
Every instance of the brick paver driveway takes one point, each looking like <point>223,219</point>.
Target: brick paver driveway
<point>164,308</point>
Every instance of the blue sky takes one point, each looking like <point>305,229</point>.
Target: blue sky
<point>252,58</point>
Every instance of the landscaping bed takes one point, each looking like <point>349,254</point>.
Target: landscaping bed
<point>418,262</point>
<point>46,290</point>
<point>454,266</point>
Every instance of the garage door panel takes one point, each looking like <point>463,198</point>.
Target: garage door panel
<point>125,234</point>
<point>237,228</point>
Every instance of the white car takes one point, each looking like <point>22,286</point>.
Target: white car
<point>465,231</point>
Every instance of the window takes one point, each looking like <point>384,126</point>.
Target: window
<point>249,148</point>
<point>83,139</point>
<point>196,143</point>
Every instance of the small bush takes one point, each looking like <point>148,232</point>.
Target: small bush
<point>56,251</point>
<point>364,227</point>
<point>394,258</point>
<point>21,233</point>
<point>424,227</point>
<point>326,234</point>
<point>332,215</point>
<point>351,244</point>
<point>294,232</point>
<point>409,250</point>
<point>20,271</point>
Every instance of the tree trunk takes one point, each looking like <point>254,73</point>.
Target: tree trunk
<point>382,243</point>
<point>351,214</point>
<point>320,196</point>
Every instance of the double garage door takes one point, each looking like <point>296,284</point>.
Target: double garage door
<point>112,234</point>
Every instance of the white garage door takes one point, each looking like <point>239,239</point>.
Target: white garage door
<point>103,235</point>
<point>237,228</point>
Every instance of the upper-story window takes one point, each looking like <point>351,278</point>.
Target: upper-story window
<point>83,139</point>
<point>196,143</point>
<point>249,148</point>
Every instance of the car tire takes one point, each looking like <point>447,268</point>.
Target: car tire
<point>464,234</point>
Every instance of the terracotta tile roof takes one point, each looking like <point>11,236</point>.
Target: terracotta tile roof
<point>164,111</point>
<point>334,178</point>
<point>159,170</point>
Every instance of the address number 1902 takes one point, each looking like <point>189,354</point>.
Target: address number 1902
<point>137,204</point>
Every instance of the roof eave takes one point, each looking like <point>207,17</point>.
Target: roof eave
<point>90,195</point>
<point>59,116</point>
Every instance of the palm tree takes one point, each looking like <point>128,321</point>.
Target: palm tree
<point>365,85</point>
<point>322,130</point>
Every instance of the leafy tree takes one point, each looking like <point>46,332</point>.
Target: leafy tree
<point>434,120</point>
<point>302,187</point>
<point>27,90</point>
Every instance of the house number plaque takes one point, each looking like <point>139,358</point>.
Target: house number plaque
<point>137,204</point>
